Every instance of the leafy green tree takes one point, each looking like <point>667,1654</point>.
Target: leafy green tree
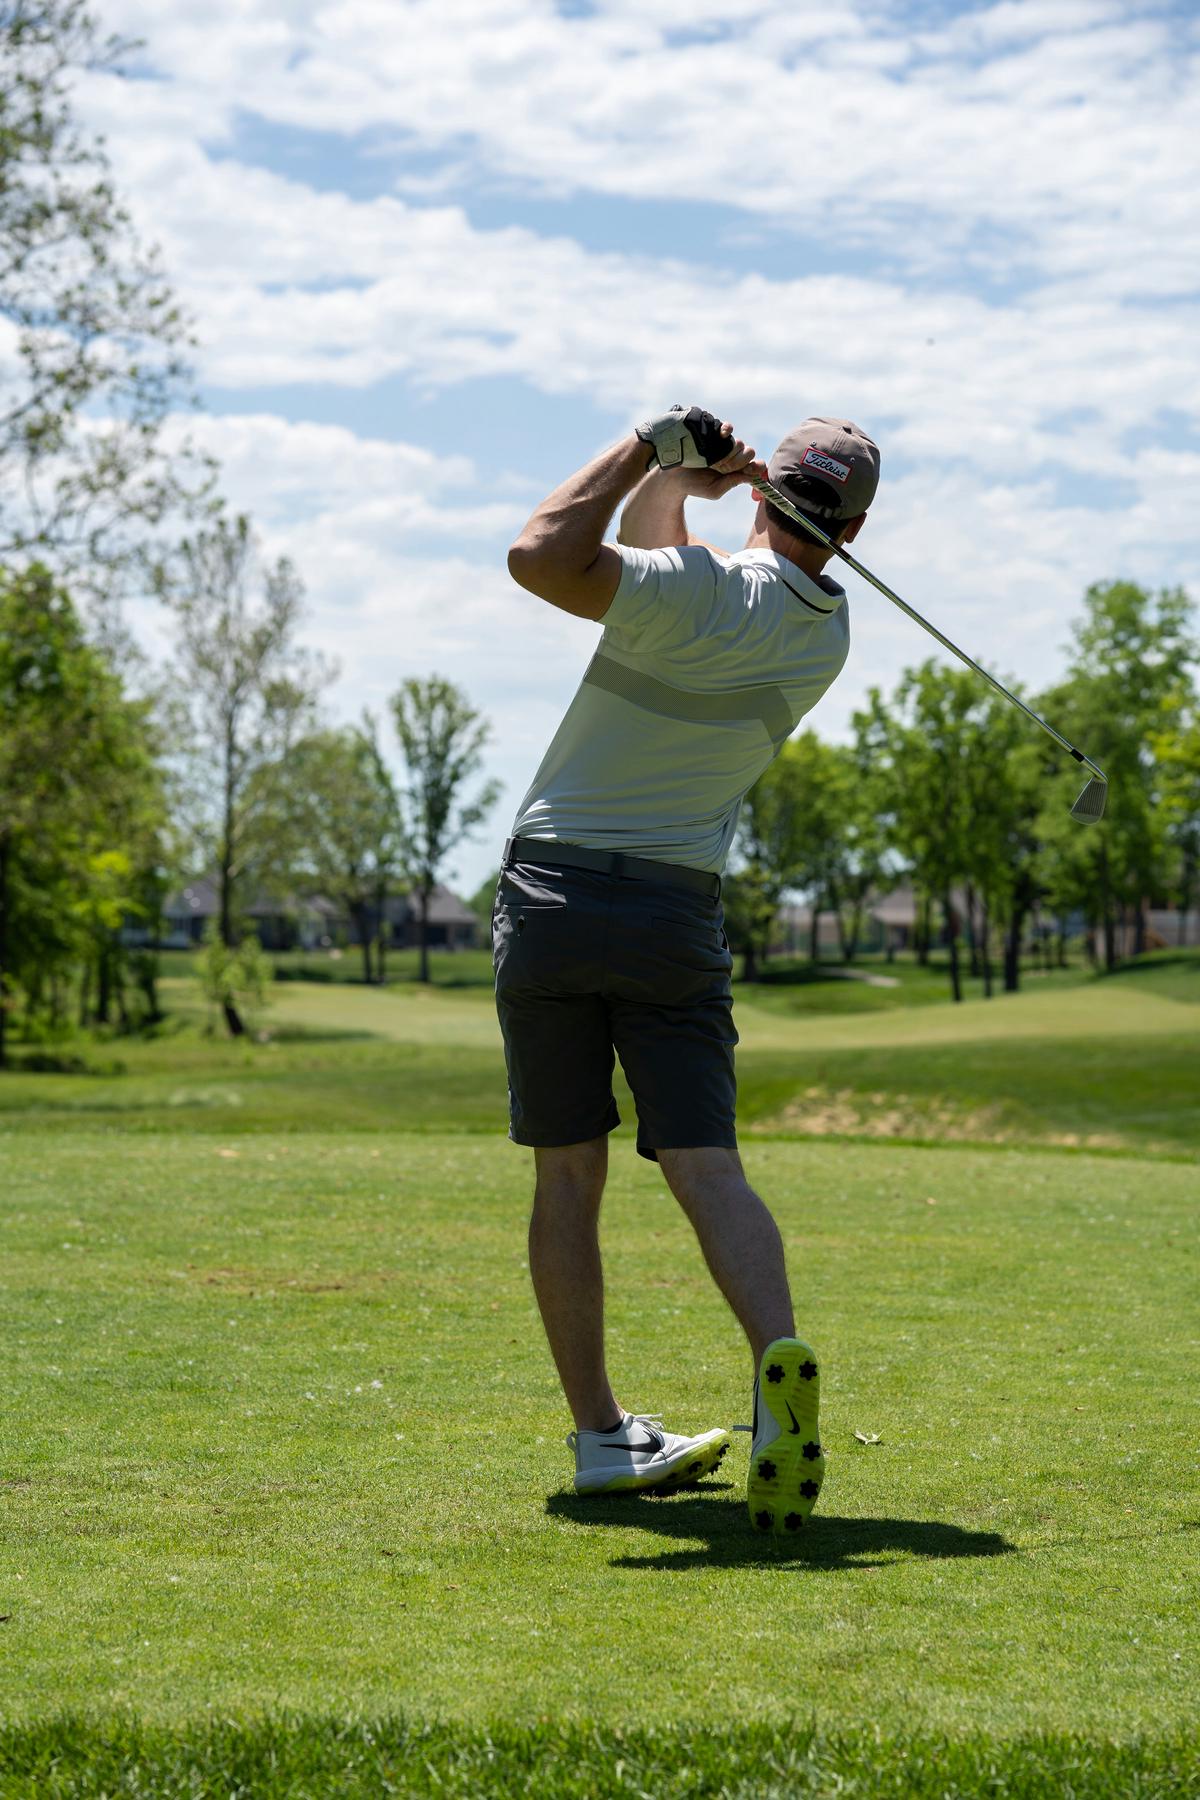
<point>1176,747</point>
<point>96,342</point>
<point>79,787</point>
<point>233,979</point>
<point>246,694</point>
<point>482,902</point>
<point>1129,674</point>
<point>923,742</point>
<point>346,828</point>
<point>748,915</point>
<point>442,738</point>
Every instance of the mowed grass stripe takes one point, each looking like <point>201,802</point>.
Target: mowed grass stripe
<point>282,1430</point>
<point>1107,1066</point>
<point>297,1757</point>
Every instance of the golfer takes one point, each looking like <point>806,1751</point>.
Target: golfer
<point>607,932</point>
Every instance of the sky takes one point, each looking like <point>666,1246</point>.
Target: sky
<point>440,252</point>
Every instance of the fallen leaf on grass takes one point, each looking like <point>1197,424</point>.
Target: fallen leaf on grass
<point>868,1437</point>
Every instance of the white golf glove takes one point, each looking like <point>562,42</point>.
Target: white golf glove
<point>685,439</point>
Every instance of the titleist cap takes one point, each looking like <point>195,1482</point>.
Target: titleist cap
<point>828,467</point>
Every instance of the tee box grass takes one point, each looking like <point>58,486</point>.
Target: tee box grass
<point>284,1495</point>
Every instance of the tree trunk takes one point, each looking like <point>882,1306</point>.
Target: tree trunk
<point>921,924</point>
<point>381,941</point>
<point>103,985</point>
<point>360,914</point>
<point>972,930</point>
<point>1139,929</point>
<point>423,929</point>
<point>814,927</point>
<point>985,948</point>
<point>1012,953</point>
<point>1110,935</point>
<point>232,1017</point>
<point>1062,942</point>
<point>952,935</point>
<point>749,961</point>
<point>85,993</point>
<point>5,861</point>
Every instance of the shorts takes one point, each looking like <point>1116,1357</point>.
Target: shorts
<point>591,966</point>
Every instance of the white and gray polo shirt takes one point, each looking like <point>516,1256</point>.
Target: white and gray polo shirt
<point>706,666</point>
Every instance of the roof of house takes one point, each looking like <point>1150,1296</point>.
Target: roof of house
<point>201,899</point>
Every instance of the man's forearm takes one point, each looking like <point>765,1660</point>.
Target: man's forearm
<point>653,518</point>
<point>568,528</point>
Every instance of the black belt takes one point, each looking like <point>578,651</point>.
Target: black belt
<point>611,862</point>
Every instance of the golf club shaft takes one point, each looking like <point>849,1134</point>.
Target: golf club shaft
<point>773,494</point>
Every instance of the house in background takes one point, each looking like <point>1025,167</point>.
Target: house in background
<point>312,921</point>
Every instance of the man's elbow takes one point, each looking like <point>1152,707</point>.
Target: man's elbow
<point>526,565</point>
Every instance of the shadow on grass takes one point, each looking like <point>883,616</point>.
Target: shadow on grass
<point>826,1542</point>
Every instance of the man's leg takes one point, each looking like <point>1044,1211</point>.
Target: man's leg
<point>739,1238</point>
<point>564,1261</point>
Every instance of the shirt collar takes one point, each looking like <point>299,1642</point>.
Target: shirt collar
<point>795,578</point>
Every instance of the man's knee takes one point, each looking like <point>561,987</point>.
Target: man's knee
<point>690,1174</point>
<point>568,1172</point>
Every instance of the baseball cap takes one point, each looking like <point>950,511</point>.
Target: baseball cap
<point>828,467</point>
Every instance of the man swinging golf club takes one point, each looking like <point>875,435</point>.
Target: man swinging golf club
<point>607,931</point>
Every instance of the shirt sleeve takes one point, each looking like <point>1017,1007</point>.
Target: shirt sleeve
<point>663,597</point>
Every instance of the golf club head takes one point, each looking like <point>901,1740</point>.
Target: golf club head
<point>1090,804</point>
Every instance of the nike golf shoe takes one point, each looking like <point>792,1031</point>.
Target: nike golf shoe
<point>787,1464</point>
<point>640,1454</point>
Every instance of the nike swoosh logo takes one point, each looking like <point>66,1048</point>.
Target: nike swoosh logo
<point>647,1443</point>
<point>791,1415</point>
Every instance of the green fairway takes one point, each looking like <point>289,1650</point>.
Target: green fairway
<point>282,1436</point>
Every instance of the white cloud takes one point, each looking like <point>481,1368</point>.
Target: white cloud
<point>1067,128</point>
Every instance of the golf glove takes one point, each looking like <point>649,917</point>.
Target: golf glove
<point>690,439</point>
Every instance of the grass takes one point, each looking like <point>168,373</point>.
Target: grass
<point>348,1759</point>
<point>1105,1065</point>
<point>284,1504</point>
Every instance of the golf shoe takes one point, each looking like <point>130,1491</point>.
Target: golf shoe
<point>787,1464</point>
<point>640,1454</point>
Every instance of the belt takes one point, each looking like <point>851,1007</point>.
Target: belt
<point>611,862</point>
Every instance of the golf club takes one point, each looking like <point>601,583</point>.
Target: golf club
<point>1090,804</point>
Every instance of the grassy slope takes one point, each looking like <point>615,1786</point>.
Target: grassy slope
<point>1108,1064</point>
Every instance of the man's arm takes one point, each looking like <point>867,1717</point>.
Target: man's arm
<point>561,555</point>
<point>653,517</point>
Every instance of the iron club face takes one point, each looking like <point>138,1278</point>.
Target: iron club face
<point>1090,804</point>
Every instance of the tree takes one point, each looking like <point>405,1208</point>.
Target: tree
<point>442,738</point>
<point>246,693</point>
<point>1176,747</point>
<point>922,743</point>
<point>79,787</point>
<point>97,342</point>
<point>1129,674</point>
<point>344,817</point>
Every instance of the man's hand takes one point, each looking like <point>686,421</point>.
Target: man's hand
<point>691,439</point>
<point>740,466</point>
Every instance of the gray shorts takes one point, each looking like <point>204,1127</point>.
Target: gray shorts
<point>591,965</point>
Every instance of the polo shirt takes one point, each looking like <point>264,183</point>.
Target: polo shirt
<point>706,666</point>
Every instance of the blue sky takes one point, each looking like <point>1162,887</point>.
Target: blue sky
<point>438,254</point>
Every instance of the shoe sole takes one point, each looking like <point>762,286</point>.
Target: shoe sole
<point>785,1478</point>
<point>687,1469</point>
